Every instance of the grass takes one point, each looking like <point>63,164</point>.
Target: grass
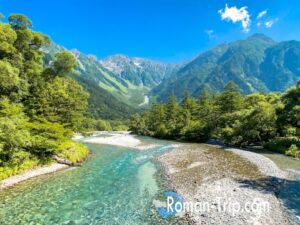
<point>7,171</point>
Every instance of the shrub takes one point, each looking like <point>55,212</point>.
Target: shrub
<point>282,145</point>
<point>293,151</point>
<point>73,151</point>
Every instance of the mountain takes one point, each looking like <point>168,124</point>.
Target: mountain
<point>281,67</point>
<point>138,71</point>
<point>257,64</point>
<point>118,85</point>
<point>98,82</point>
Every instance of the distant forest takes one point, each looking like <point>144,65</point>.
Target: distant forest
<point>271,120</point>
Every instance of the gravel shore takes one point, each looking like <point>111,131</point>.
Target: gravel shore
<point>120,138</point>
<point>265,165</point>
<point>224,180</point>
<point>30,174</point>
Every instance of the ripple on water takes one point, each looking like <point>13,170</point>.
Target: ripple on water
<point>112,187</point>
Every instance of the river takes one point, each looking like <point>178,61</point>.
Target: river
<point>116,185</point>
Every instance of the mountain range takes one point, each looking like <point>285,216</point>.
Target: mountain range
<point>257,64</point>
<point>120,85</point>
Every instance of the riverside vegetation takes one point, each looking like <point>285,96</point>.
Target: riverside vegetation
<point>271,120</point>
<point>41,106</point>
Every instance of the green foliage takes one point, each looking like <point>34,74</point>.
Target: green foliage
<point>64,63</point>
<point>138,124</point>
<point>89,125</point>
<point>282,144</point>
<point>119,125</point>
<point>63,100</point>
<point>9,78</point>
<point>121,128</point>
<point>293,151</point>
<point>39,106</point>
<point>290,114</point>
<point>102,104</point>
<point>19,22</point>
<point>13,135</point>
<point>257,64</point>
<point>114,94</point>
<point>230,100</point>
<point>73,151</point>
<point>10,170</point>
<point>255,119</point>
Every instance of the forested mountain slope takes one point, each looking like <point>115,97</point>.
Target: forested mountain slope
<point>118,85</point>
<point>257,64</point>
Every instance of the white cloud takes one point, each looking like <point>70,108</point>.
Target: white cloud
<point>270,23</point>
<point>262,14</point>
<point>210,33</point>
<point>235,15</point>
<point>258,24</point>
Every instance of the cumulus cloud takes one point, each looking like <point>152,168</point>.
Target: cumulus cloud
<point>236,15</point>
<point>270,23</point>
<point>210,33</point>
<point>262,14</point>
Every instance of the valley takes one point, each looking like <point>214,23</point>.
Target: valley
<point>110,138</point>
<point>257,64</point>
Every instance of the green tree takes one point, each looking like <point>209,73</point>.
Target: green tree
<point>63,100</point>
<point>172,113</point>
<point>9,78</point>
<point>7,39</point>
<point>19,22</point>
<point>13,136</point>
<point>138,125</point>
<point>64,63</point>
<point>231,99</point>
<point>157,121</point>
<point>289,116</point>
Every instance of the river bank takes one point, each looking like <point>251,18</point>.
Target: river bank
<point>202,173</point>
<point>120,138</point>
<point>123,139</point>
<point>52,168</point>
<point>198,172</point>
<point>116,185</point>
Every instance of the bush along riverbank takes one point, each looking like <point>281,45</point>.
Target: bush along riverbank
<point>269,120</point>
<point>40,105</point>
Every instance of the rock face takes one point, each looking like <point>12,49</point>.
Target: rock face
<point>220,181</point>
<point>138,71</point>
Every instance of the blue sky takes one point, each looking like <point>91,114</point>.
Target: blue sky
<point>167,30</point>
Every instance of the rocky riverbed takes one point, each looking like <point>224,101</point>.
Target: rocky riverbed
<point>224,179</point>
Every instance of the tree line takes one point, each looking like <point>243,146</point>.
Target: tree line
<point>40,105</point>
<point>268,119</point>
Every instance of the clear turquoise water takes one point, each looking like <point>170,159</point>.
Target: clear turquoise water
<point>115,186</point>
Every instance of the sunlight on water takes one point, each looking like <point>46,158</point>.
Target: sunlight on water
<point>115,186</point>
<point>146,177</point>
<point>112,187</point>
